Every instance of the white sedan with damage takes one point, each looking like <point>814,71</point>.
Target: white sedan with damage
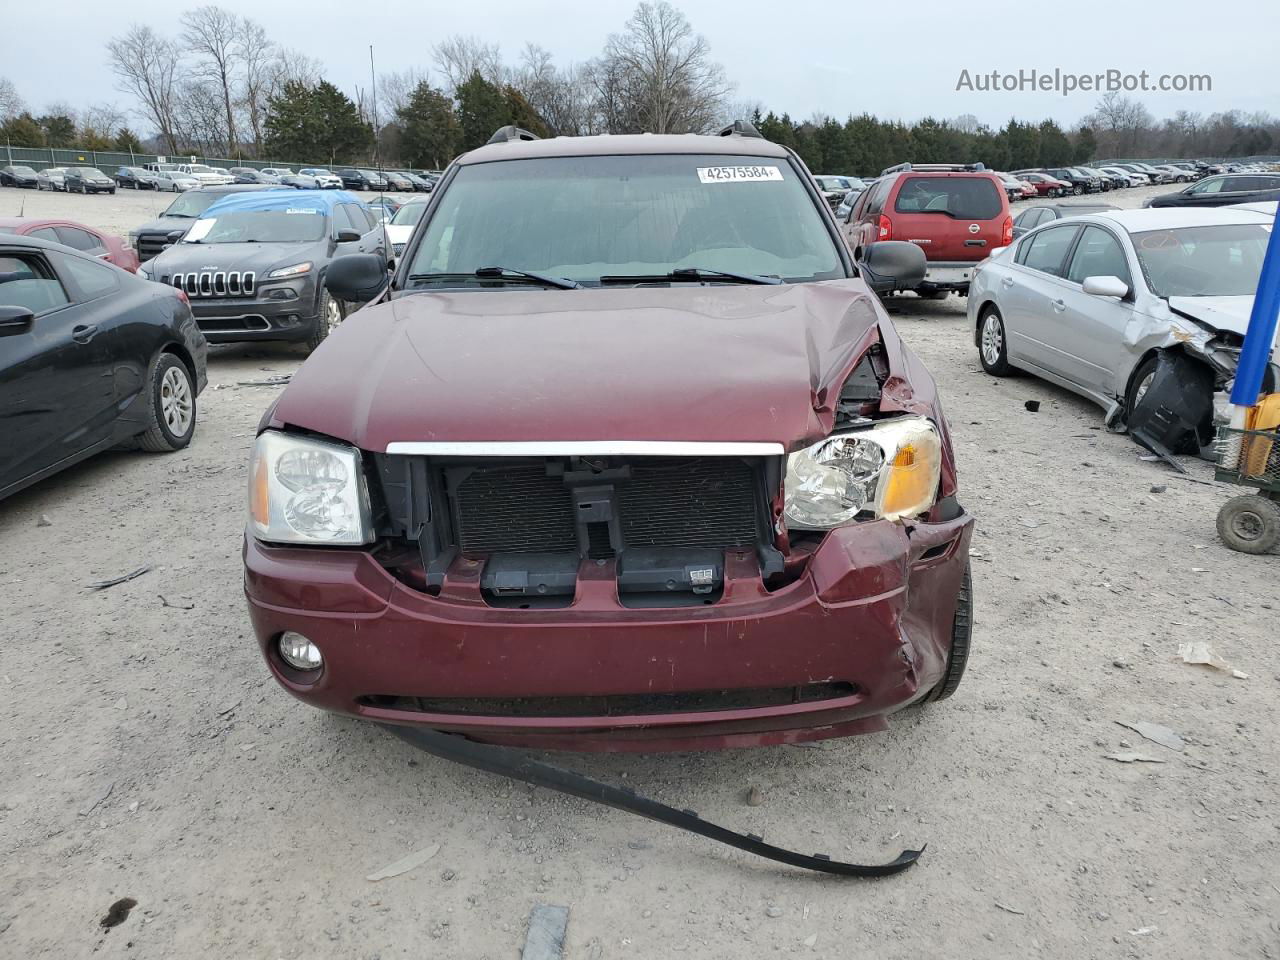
<point>1142,311</point>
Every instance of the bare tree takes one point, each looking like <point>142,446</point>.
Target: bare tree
<point>210,33</point>
<point>258,58</point>
<point>104,119</point>
<point>1121,124</point>
<point>10,103</point>
<point>458,57</point>
<point>966,123</point>
<point>666,71</point>
<point>146,65</point>
<point>293,66</point>
<point>395,89</point>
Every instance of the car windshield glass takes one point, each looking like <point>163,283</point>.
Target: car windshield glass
<point>369,173</point>
<point>587,217</point>
<point>200,168</point>
<point>965,198</point>
<point>261,226</point>
<point>1216,261</point>
<point>408,215</point>
<point>24,171</point>
<point>192,204</point>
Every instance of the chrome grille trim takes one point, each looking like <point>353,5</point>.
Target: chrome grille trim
<point>218,283</point>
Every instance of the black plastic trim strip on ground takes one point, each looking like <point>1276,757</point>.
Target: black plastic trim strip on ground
<point>512,763</point>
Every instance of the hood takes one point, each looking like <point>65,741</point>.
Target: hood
<point>695,364</point>
<point>165,225</point>
<point>1230,314</point>
<point>260,258</point>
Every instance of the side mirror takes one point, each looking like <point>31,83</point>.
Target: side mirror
<point>15,320</point>
<point>347,236</point>
<point>357,277</point>
<point>1105,287</point>
<point>893,265</point>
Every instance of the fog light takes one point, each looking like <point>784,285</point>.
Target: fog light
<point>299,652</point>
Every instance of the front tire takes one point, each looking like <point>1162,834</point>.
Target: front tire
<point>1077,190</point>
<point>173,406</point>
<point>993,343</point>
<point>331,313</point>
<point>961,638</point>
<point>1250,524</point>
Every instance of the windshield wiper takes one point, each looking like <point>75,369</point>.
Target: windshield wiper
<point>694,273</point>
<point>502,273</point>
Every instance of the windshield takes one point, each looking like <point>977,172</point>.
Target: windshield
<point>91,172</point>
<point>370,174</point>
<point>192,204</point>
<point>22,170</point>
<point>1217,261</point>
<point>200,168</point>
<point>260,226</point>
<point>963,198</point>
<point>408,215</point>
<point>588,217</point>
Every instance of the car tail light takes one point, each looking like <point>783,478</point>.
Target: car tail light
<point>1006,234</point>
<point>886,228</point>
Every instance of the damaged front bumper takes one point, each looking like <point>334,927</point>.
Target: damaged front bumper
<point>863,631</point>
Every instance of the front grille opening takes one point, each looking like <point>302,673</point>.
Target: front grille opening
<point>617,705</point>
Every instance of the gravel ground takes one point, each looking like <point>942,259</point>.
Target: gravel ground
<point>146,754</point>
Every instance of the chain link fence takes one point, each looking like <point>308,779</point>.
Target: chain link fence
<point>40,158</point>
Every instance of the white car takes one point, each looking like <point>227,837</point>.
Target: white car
<point>1126,304</point>
<point>206,175</point>
<point>52,178</point>
<point>326,179</point>
<point>1267,207</point>
<point>175,181</point>
<point>1135,178</point>
<point>400,227</point>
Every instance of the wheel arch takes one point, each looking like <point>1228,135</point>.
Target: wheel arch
<point>986,303</point>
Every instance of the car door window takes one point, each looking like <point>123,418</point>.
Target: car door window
<point>90,278</point>
<point>1212,185</point>
<point>878,193</point>
<point>27,281</point>
<point>1046,250</point>
<point>46,233</point>
<point>341,218</point>
<point>1098,254</point>
<point>79,239</point>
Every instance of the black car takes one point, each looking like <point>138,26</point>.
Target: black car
<point>135,178</point>
<point>16,175</point>
<point>248,175</point>
<point>90,357</point>
<point>88,180</point>
<point>154,235</point>
<point>1223,190</point>
<point>1080,182</point>
<point>354,179</point>
<point>1042,213</point>
<point>254,266</point>
<point>420,184</point>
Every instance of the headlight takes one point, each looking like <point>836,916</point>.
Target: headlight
<point>307,491</point>
<point>890,470</point>
<point>296,270</point>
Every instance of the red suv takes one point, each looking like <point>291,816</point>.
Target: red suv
<point>614,468</point>
<point>958,215</point>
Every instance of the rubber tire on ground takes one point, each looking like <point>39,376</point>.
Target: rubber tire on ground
<point>1077,190</point>
<point>1001,367</point>
<point>961,636</point>
<point>936,294</point>
<point>1147,367</point>
<point>1261,512</point>
<point>158,438</point>
<point>322,328</point>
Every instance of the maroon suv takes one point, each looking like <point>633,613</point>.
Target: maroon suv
<point>626,455</point>
<point>958,215</point>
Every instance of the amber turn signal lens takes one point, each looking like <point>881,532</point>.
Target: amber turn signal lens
<point>259,492</point>
<point>912,478</point>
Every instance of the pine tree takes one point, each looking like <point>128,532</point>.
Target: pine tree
<point>482,109</point>
<point>430,132</point>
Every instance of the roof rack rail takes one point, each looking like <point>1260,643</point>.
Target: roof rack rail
<point>935,168</point>
<point>509,133</point>
<point>740,128</point>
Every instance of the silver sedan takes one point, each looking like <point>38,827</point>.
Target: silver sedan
<point>1108,304</point>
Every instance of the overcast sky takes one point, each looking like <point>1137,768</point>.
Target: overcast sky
<point>901,60</point>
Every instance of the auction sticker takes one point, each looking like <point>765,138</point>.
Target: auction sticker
<point>737,174</point>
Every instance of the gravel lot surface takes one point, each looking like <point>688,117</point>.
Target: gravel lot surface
<point>146,754</point>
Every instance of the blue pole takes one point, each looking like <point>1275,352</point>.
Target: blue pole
<point>1256,353</point>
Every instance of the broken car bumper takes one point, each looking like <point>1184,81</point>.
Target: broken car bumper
<point>863,631</point>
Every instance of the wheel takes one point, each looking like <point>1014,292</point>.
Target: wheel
<point>330,314</point>
<point>936,294</point>
<point>1139,384</point>
<point>1250,524</point>
<point>112,191</point>
<point>961,635</point>
<point>1077,190</point>
<point>173,406</point>
<point>993,344</point>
